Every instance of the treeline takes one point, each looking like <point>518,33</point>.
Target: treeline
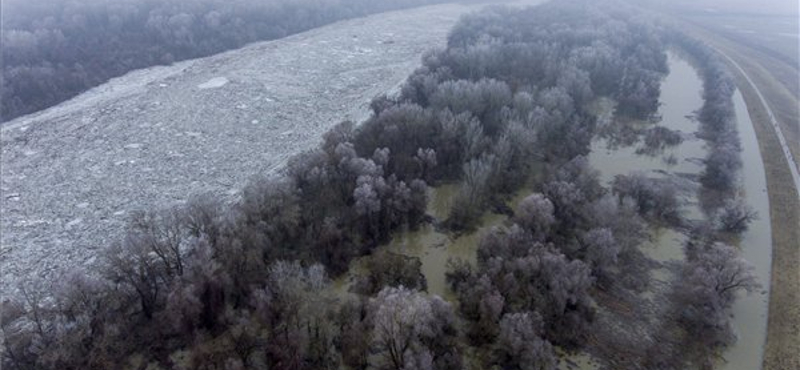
<point>54,50</point>
<point>211,286</point>
<point>718,128</point>
<point>717,120</point>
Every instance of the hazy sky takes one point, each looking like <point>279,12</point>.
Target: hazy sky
<point>784,7</point>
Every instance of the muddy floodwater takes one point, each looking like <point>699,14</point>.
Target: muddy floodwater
<point>433,247</point>
<point>680,98</point>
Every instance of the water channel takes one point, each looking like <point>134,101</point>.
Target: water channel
<point>750,312</point>
<point>680,98</point>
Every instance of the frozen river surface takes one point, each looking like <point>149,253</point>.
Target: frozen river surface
<point>152,138</point>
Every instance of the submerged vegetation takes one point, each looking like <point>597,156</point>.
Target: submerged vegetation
<point>215,286</point>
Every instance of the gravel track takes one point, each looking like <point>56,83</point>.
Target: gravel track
<point>150,139</point>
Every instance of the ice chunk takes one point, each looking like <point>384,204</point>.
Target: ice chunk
<point>213,83</point>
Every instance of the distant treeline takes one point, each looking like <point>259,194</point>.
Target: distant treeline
<point>54,50</point>
<point>212,286</point>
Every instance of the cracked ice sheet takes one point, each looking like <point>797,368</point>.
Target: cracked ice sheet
<point>152,138</point>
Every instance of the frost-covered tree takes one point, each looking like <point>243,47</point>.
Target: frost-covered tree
<point>520,345</point>
<point>481,304</point>
<point>734,216</point>
<point>535,214</point>
<point>292,307</point>
<point>483,99</point>
<point>535,277</point>
<point>198,299</point>
<point>472,195</point>
<point>654,198</point>
<point>426,158</point>
<point>583,176</point>
<point>577,83</point>
<point>710,281</point>
<point>621,217</point>
<point>411,330</point>
<point>600,250</point>
<point>506,243</point>
<point>384,269</point>
<point>722,166</point>
<point>568,205</point>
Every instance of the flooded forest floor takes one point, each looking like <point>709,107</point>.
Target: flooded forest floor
<point>634,315</point>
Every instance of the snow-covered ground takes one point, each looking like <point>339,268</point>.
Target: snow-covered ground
<point>152,138</point>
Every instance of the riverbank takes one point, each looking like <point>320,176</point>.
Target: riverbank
<point>783,328</point>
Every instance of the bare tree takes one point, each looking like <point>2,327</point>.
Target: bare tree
<point>292,307</point>
<point>734,216</point>
<point>133,267</point>
<point>202,217</point>
<point>162,233</point>
<point>707,288</point>
<point>405,323</point>
<point>199,298</point>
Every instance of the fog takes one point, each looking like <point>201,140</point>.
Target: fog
<point>307,266</point>
<point>766,7</point>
